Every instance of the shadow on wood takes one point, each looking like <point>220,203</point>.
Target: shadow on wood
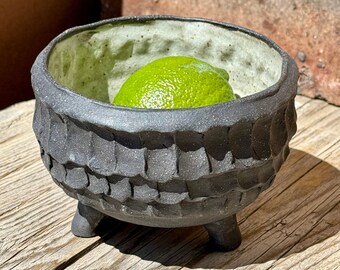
<point>295,223</point>
<point>297,212</point>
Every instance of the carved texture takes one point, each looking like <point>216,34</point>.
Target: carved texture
<point>165,175</point>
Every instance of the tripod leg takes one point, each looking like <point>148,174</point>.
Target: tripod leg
<point>224,234</point>
<point>85,221</point>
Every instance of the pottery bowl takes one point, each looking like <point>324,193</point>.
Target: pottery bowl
<point>163,168</point>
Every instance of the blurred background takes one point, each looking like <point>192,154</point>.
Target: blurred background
<point>309,30</point>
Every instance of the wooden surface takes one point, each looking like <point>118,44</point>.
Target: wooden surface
<point>293,225</point>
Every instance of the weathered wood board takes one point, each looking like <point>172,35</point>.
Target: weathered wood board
<point>295,224</point>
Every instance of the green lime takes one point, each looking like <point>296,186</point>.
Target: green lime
<point>175,82</point>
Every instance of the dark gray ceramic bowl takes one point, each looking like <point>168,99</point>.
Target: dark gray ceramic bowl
<point>164,168</point>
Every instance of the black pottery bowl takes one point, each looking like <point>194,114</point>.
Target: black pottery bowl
<point>164,168</point>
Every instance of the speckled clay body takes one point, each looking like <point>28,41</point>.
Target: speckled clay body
<point>164,168</point>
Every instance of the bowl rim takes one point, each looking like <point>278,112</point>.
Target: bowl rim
<point>86,110</point>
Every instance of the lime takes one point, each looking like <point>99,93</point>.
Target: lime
<point>175,82</point>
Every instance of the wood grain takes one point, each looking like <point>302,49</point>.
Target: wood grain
<point>295,224</point>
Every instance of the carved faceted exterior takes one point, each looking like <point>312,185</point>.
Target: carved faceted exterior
<point>187,170</point>
<point>153,177</point>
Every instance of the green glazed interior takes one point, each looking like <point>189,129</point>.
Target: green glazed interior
<point>96,62</point>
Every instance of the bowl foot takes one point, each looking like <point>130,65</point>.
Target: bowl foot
<point>85,221</point>
<point>224,235</point>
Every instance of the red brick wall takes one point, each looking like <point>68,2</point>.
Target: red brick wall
<point>311,27</point>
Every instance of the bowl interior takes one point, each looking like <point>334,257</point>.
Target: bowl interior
<point>96,61</point>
